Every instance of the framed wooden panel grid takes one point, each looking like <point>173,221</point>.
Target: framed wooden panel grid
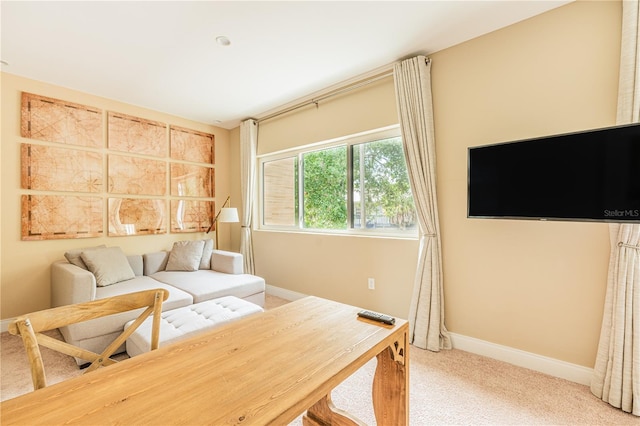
<point>136,135</point>
<point>46,217</point>
<point>137,176</point>
<point>190,145</point>
<point>189,180</point>
<point>137,216</point>
<point>55,120</point>
<point>143,172</point>
<point>49,168</point>
<point>191,215</point>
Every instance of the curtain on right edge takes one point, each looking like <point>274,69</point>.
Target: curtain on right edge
<point>616,377</point>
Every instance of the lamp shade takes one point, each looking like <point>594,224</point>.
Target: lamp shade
<point>228,215</point>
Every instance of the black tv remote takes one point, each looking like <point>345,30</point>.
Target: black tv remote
<point>377,317</point>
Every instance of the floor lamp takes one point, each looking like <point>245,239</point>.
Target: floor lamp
<point>225,215</point>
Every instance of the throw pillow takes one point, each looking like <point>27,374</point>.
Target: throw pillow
<point>109,265</point>
<point>207,251</point>
<point>73,256</point>
<point>185,256</point>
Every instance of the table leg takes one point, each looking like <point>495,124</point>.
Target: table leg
<point>391,385</point>
<point>324,413</point>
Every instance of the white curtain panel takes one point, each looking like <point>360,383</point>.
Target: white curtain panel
<point>248,146</point>
<point>616,376</point>
<point>415,108</point>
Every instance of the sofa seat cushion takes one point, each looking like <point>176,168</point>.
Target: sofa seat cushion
<point>208,284</point>
<point>113,323</point>
<point>183,322</point>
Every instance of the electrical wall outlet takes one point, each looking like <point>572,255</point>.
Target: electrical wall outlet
<point>372,284</point>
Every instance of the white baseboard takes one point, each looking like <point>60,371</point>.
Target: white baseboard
<point>551,366</point>
<point>4,324</point>
<point>284,293</point>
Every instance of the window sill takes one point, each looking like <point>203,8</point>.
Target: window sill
<point>411,237</point>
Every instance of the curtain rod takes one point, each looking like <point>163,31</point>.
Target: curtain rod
<point>332,93</point>
<point>327,95</point>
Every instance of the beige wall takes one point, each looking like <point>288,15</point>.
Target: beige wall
<point>534,286</point>
<point>369,107</point>
<point>24,283</point>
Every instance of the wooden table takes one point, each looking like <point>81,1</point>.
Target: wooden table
<point>264,369</point>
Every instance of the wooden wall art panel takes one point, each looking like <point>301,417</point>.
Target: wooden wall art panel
<point>191,215</point>
<point>46,217</point>
<point>49,168</point>
<point>55,120</point>
<point>134,216</point>
<point>136,135</point>
<point>189,145</point>
<point>137,176</point>
<point>169,169</point>
<point>192,181</point>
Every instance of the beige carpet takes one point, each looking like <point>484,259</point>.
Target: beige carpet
<point>446,388</point>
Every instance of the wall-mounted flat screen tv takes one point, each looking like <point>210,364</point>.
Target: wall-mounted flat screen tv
<point>583,176</point>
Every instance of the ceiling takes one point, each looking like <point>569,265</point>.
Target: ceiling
<point>163,55</point>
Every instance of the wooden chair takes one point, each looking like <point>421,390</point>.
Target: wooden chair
<point>30,326</point>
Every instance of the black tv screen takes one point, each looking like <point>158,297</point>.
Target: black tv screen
<point>584,176</point>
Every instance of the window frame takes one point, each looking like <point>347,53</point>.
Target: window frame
<point>297,152</point>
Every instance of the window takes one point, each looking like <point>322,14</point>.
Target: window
<point>357,184</point>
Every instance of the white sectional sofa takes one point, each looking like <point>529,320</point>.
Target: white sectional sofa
<point>100,272</point>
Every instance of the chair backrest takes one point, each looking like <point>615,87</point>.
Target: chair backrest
<point>30,326</point>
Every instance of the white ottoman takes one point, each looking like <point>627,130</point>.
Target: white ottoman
<point>182,322</point>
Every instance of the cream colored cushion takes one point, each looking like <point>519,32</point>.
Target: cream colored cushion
<point>109,265</point>
<point>185,256</point>
<point>73,256</point>
<point>207,251</point>
<point>206,285</point>
<point>177,324</point>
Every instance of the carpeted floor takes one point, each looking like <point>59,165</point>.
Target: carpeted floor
<point>446,388</point>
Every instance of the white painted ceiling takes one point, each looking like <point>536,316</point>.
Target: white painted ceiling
<point>162,55</point>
